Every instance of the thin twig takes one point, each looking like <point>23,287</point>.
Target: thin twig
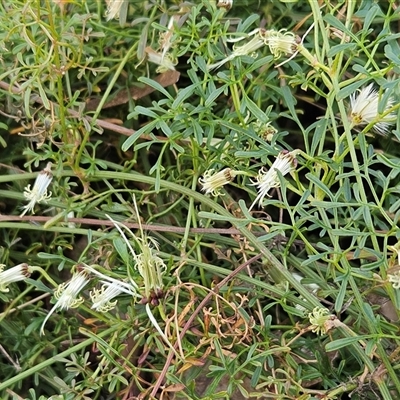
<point>193,316</point>
<point>9,358</point>
<point>131,225</point>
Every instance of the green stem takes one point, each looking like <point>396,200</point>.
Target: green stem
<point>380,350</point>
<point>277,270</point>
<point>57,63</point>
<point>45,274</point>
<point>74,349</point>
<point>101,104</point>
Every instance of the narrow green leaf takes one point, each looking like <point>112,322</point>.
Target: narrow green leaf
<point>132,139</point>
<point>344,342</point>
<point>341,295</point>
<point>155,85</point>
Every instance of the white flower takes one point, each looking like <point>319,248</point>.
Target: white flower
<point>129,287</point>
<point>319,318</point>
<point>15,274</point>
<point>267,179</point>
<point>67,294</point>
<point>165,40</point>
<point>164,61</point>
<point>281,42</point>
<point>227,4</point>
<point>395,249</point>
<point>113,8</point>
<point>102,298</point>
<point>394,279</point>
<point>264,130</point>
<point>39,191</point>
<point>211,182</point>
<point>150,267</point>
<point>364,109</point>
<point>111,288</point>
<point>247,49</point>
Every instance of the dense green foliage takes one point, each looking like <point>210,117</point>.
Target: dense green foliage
<point>244,191</point>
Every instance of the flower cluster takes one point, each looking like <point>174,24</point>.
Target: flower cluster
<point>68,296</point>
<point>364,110</point>
<point>103,297</point>
<point>15,274</point>
<point>212,182</point>
<point>151,268</point>
<point>267,179</point>
<point>281,43</point>
<point>319,319</point>
<point>263,128</point>
<point>165,61</point>
<point>395,249</point>
<point>163,57</point>
<point>149,265</point>
<point>39,191</point>
<point>394,279</point>
<point>393,272</point>
<point>114,8</point>
<point>267,131</point>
